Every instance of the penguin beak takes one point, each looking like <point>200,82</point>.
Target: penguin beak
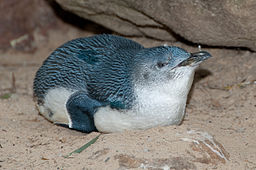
<point>196,58</point>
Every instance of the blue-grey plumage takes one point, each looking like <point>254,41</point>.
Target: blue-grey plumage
<point>110,83</point>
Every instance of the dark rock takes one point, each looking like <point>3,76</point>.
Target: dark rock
<point>19,20</point>
<point>229,23</point>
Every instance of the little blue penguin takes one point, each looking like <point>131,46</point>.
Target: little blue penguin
<point>108,83</point>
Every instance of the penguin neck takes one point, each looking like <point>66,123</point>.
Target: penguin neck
<point>165,92</point>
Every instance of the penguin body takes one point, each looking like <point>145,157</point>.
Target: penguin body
<point>110,84</point>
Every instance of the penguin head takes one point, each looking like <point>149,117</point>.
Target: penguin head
<point>163,63</point>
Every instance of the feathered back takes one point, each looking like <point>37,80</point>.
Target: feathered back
<point>98,65</point>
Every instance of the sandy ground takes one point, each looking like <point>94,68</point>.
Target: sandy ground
<point>222,103</point>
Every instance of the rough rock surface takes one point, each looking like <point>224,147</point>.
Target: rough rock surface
<point>20,20</point>
<point>216,23</point>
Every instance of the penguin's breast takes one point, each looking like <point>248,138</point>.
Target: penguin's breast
<point>154,106</point>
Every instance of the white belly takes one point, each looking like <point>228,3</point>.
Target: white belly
<point>111,120</point>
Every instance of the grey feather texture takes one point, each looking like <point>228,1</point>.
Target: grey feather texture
<point>98,65</point>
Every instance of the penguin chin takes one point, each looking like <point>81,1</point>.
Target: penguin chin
<point>181,71</point>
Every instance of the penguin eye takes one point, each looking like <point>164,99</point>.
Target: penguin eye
<point>161,65</point>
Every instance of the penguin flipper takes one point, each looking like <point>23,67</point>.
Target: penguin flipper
<point>81,109</point>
